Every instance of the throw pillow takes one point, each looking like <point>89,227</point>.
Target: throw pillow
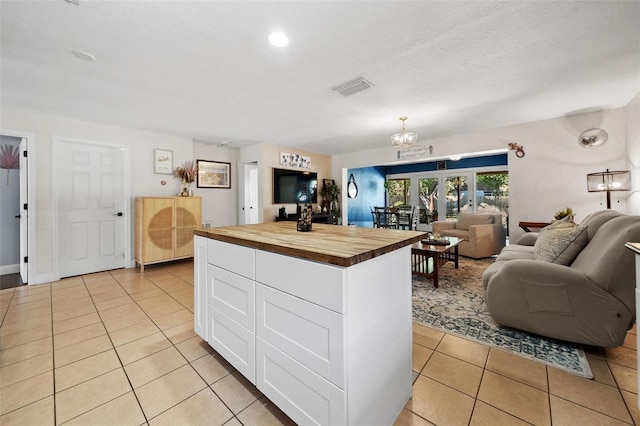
<point>560,245</point>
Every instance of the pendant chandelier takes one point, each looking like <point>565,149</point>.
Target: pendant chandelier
<point>403,139</point>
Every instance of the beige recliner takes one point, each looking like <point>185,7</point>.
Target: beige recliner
<point>484,234</point>
<point>589,301</point>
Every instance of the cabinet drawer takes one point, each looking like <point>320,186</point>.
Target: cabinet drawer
<point>303,395</point>
<point>232,257</point>
<point>308,333</point>
<point>234,342</point>
<point>318,283</point>
<point>232,295</point>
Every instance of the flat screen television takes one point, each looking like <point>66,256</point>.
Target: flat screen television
<point>294,186</point>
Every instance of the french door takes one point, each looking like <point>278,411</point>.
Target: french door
<point>451,193</point>
<point>91,207</point>
<point>457,195</point>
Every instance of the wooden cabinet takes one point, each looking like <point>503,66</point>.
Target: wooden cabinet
<point>164,228</point>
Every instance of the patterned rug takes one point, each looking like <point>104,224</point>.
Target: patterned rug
<point>457,307</point>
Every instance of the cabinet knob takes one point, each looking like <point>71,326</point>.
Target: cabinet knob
<point>118,214</point>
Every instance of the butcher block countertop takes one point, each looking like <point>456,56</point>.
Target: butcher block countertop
<point>333,244</point>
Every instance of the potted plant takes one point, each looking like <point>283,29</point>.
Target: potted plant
<point>563,213</point>
<point>330,193</point>
<point>434,215</point>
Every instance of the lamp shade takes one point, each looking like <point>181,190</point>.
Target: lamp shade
<point>609,181</point>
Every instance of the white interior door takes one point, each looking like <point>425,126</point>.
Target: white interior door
<point>250,193</point>
<point>91,207</point>
<point>24,234</point>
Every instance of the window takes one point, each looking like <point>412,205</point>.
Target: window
<point>398,191</point>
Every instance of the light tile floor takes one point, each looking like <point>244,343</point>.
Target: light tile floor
<point>118,348</point>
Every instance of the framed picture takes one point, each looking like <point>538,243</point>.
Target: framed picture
<point>214,174</point>
<point>163,162</point>
<point>295,160</point>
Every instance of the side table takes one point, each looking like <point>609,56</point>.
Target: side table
<point>527,225</point>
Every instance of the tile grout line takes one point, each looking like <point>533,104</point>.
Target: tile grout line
<point>234,415</point>
<point>172,345</point>
<point>53,359</point>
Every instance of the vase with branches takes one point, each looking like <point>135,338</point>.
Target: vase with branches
<point>187,172</point>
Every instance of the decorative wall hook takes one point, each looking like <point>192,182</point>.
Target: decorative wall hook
<point>517,148</point>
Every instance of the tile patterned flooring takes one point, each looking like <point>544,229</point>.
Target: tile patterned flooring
<point>118,348</point>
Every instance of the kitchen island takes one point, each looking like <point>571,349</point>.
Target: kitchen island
<point>319,321</point>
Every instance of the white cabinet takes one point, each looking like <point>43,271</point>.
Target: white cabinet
<point>327,344</point>
<point>303,395</point>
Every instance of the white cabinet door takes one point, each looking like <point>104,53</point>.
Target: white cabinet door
<point>199,290</point>
<point>310,334</point>
<point>238,259</point>
<point>232,295</point>
<point>306,397</point>
<point>319,283</point>
<point>234,342</point>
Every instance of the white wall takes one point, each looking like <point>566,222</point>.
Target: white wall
<point>219,206</point>
<point>268,157</point>
<point>144,181</point>
<point>552,174</point>
<point>632,111</point>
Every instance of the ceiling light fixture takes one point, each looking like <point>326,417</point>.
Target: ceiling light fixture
<point>85,56</point>
<point>593,138</point>
<point>403,139</point>
<point>278,39</point>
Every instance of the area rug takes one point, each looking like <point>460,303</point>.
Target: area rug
<point>457,306</point>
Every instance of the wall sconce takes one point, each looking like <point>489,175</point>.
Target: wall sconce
<point>352,187</point>
<point>609,181</point>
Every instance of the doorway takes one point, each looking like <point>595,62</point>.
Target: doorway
<point>250,206</point>
<point>12,179</point>
<point>89,183</point>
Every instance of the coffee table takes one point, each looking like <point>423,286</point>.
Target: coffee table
<point>441,254</point>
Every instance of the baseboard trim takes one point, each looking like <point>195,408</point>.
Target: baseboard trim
<point>9,269</point>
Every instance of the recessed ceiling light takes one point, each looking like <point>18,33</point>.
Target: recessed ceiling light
<point>278,39</point>
<point>85,56</point>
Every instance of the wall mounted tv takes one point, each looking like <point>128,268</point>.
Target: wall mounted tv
<point>294,186</point>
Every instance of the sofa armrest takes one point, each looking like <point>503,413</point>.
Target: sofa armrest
<point>557,301</point>
<point>440,226</point>
<point>487,240</point>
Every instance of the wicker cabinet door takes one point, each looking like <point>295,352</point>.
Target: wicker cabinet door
<point>157,223</point>
<point>188,216</point>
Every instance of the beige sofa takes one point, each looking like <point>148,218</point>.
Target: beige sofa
<point>484,234</point>
<point>581,293</point>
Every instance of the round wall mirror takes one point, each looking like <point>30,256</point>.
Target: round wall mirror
<point>352,188</point>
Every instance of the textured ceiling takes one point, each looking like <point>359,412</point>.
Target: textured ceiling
<point>205,70</point>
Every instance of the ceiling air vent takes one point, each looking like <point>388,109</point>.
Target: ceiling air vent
<point>354,86</point>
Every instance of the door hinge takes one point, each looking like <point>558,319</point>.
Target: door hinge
<point>24,206</point>
<point>24,154</point>
<point>26,259</point>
